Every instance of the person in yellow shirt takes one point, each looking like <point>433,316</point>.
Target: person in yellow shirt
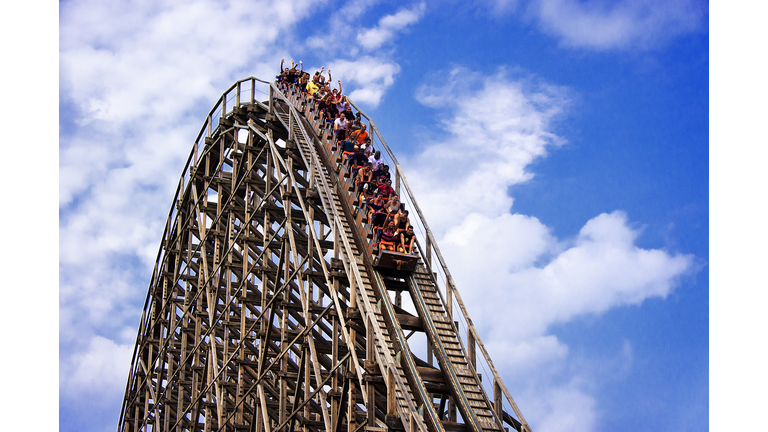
<point>312,88</point>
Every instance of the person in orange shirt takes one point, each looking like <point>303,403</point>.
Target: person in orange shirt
<point>360,135</point>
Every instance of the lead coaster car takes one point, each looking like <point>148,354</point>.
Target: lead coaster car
<point>396,261</point>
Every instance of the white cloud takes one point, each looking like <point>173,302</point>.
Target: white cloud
<point>566,408</point>
<point>498,129</point>
<point>601,269</point>
<point>477,229</point>
<point>596,24</point>
<point>137,78</point>
<point>334,38</point>
<point>140,69</point>
<point>502,6</point>
<point>605,25</point>
<point>365,78</point>
<point>388,25</point>
<point>101,368</point>
<point>530,354</point>
<point>370,76</point>
<point>461,181</point>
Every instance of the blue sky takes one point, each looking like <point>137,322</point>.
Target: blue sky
<point>559,149</point>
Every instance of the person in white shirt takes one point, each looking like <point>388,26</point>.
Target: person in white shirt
<point>340,127</point>
<point>376,160</point>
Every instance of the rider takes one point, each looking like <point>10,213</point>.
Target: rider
<point>406,241</point>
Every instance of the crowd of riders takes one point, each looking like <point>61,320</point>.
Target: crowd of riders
<point>383,211</point>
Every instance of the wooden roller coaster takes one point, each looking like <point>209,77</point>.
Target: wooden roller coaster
<point>268,310</point>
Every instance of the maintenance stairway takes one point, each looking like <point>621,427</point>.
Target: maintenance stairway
<point>267,311</point>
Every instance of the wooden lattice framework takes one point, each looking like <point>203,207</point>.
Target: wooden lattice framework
<point>265,313</point>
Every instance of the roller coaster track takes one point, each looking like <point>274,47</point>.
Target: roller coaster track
<point>266,311</point>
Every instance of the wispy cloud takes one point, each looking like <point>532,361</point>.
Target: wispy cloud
<point>389,25</point>
<point>499,128</point>
<point>461,180</point>
<point>366,77</point>
<point>333,36</point>
<point>600,25</point>
<point>624,24</point>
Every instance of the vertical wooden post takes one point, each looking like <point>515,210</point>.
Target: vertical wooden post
<point>334,361</point>
<point>336,242</point>
<point>370,340</point>
<point>282,382</point>
<point>352,298</point>
<point>258,415</point>
<point>271,104</point>
<point>449,297</point>
<point>371,408</point>
<point>237,96</point>
<point>429,352</point>
<point>471,348</point>
<point>241,356</point>
<point>391,395</point>
<point>429,252</point>
<point>397,181</point>
<point>307,384</point>
<point>208,374</point>
<point>291,134</point>
<point>253,91</point>
<point>497,401</point>
<point>351,404</point>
